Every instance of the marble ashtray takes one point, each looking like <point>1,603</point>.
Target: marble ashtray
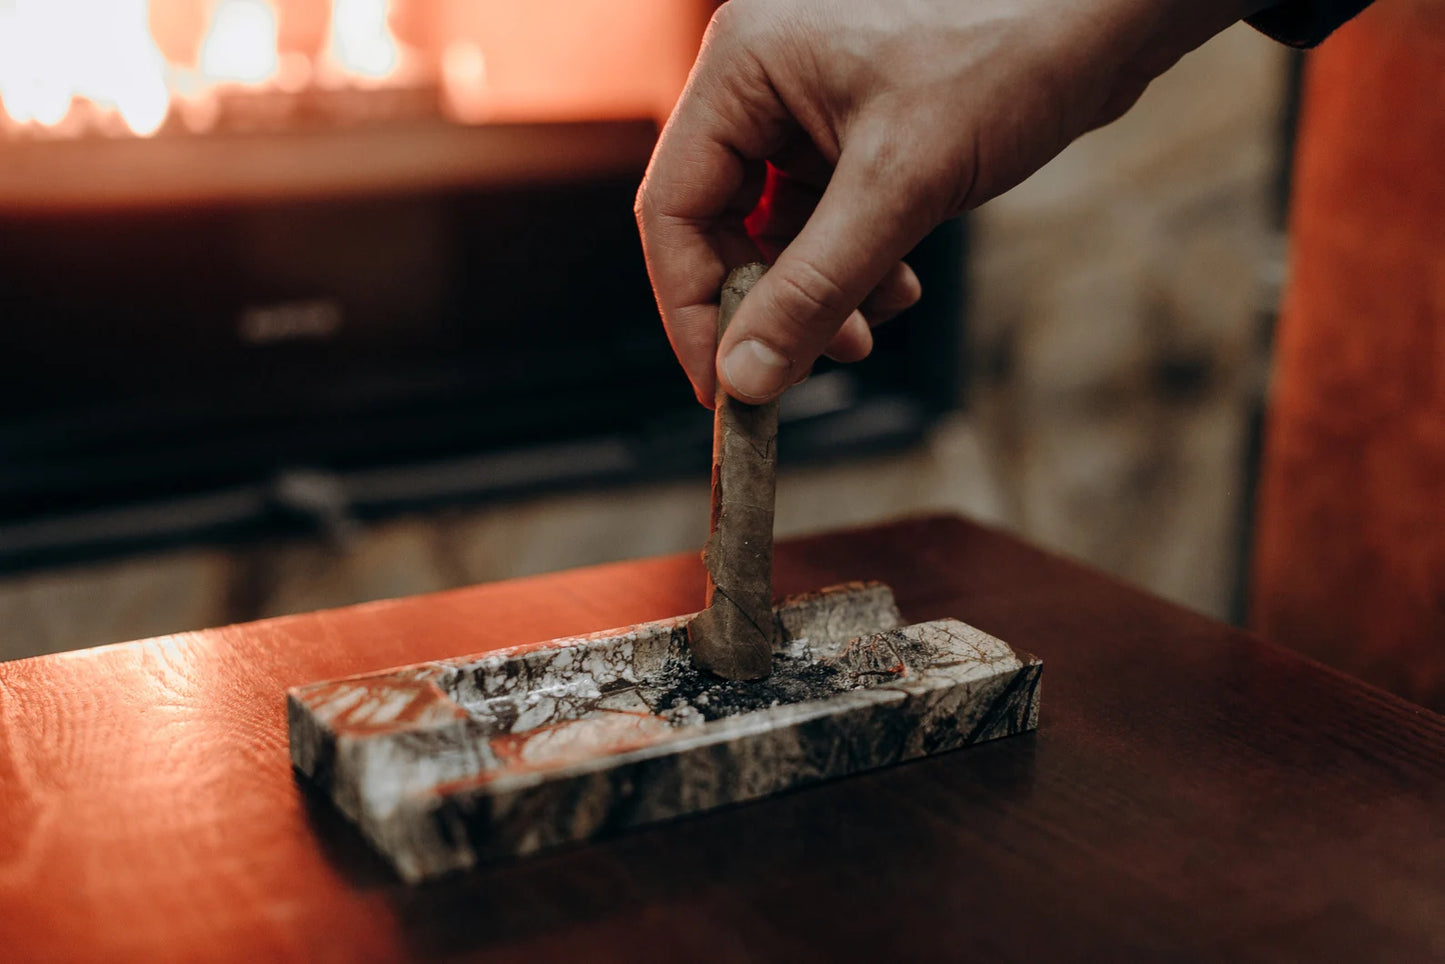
<point>447,764</point>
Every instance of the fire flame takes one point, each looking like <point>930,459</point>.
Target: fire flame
<point>359,41</point>
<point>73,66</point>
<point>242,44</point>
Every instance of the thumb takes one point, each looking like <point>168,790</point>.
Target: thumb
<point>867,219</point>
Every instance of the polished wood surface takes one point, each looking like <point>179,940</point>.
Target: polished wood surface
<point>1191,793</point>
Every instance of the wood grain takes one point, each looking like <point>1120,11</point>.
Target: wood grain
<point>1192,794</point>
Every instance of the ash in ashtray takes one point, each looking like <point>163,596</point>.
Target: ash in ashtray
<point>687,695</point>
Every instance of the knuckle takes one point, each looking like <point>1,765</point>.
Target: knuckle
<point>651,202</point>
<point>739,24</point>
<point>641,203</point>
<point>724,20</point>
<point>812,304</point>
<point>912,166</point>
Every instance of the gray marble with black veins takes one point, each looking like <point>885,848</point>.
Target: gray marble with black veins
<point>444,765</point>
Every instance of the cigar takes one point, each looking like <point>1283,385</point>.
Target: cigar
<point>733,637</point>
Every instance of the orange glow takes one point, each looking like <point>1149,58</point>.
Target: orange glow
<point>71,67</point>
<point>464,82</point>
<point>135,68</point>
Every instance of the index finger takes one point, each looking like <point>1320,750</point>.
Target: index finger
<point>705,175</point>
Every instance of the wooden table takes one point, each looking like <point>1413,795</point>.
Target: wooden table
<point>1191,793</point>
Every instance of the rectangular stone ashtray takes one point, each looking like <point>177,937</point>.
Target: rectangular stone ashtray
<point>448,764</point>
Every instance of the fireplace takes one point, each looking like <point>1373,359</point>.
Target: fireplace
<point>270,261</point>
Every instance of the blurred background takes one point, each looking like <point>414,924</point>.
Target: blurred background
<point>312,302</point>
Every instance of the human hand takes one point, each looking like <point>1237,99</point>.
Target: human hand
<point>830,136</point>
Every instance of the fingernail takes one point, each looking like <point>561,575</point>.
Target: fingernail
<point>756,371</point>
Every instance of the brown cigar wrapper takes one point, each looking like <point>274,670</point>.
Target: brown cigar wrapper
<point>734,636</point>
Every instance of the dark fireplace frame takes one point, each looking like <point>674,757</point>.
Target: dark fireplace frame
<point>176,367</point>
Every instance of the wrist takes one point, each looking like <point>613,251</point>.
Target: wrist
<point>1166,30</point>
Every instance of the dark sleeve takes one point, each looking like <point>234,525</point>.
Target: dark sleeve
<point>1304,23</point>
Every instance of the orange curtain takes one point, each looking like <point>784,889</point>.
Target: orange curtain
<point>1349,562</point>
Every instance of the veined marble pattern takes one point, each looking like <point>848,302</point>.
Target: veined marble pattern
<point>443,765</point>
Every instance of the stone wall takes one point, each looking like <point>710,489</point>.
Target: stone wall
<point>1120,295</point>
